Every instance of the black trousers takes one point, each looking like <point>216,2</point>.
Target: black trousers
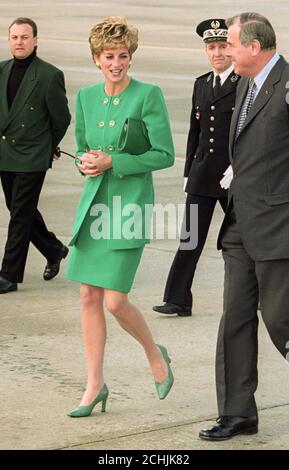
<point>22,191</point>
<point>180,278</point>
<point>246,281</point>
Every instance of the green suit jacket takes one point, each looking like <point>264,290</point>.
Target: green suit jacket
<point>37,120</point>
<point>99,120</point>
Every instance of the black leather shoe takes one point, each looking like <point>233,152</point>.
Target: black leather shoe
<point>173,309</point>
<point>229,426</point>
<point>52,269</point>
<point>7,286</point>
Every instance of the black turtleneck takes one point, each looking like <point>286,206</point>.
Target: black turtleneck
<point>18,70</point>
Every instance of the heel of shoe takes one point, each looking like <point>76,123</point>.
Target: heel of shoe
<point>103,405</point>
<point>86,410</point>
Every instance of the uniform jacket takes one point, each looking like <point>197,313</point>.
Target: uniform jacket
<point>259,191</point>
<point>99,120</point>
<point>37,120</point>
<point>207,155</point>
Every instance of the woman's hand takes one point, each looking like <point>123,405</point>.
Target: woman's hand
<point>94,162</point>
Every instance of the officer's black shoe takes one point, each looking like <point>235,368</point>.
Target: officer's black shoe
<point>7,286</point>
<point>173,309</point>
<point>52,269</point>
<point>229,426</point>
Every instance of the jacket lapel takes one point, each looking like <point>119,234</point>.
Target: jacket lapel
<point>228,87</point>
<point>266,91</point>
<point>263,97</point>
<point>207,89</point>
<point>3,94</point>
<point>28,83</point>
<point>242,91</point>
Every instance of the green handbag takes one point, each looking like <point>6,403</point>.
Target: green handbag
<point>133,137</point>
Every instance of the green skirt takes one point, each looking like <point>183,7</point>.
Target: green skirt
<point>91,262</point>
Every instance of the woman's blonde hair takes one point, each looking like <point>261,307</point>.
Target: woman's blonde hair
<point>112,32</point>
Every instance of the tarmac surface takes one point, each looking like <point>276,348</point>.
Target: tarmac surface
<point>42,366</point>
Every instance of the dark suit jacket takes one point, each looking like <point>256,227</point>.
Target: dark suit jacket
<point>259,191</point>
<point>37,120</point>
<point>207,154</point>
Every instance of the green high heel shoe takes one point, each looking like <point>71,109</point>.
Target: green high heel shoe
<point>85,410</point>
<point>164,387</point>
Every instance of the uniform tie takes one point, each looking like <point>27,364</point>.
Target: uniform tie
<point>248,101</point>
<point>217,86</point>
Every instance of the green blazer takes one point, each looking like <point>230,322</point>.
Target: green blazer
<point>99,120</point>
<point>37,120</point>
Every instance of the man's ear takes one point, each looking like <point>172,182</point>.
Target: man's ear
<point>255,47</point>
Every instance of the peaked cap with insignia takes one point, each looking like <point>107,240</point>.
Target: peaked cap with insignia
<point>211,30</point>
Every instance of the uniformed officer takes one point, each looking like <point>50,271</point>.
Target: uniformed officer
<point>206,160</point>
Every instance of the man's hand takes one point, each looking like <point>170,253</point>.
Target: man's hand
<point>57,153</point>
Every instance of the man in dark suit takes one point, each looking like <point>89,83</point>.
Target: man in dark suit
<point>206,160</point>
<point>254,236</point>
<point>34,118</point>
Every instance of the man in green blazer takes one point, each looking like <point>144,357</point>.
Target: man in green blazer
<point>34,118</point>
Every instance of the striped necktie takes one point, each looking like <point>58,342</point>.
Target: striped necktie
<point>246,106</point>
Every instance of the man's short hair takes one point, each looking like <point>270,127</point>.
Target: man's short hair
<point>23,20</point>
<point>254,26</point>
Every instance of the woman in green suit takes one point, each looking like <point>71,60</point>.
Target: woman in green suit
<point>113,216</point>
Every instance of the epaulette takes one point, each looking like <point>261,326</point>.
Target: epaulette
<point>207,74</point>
